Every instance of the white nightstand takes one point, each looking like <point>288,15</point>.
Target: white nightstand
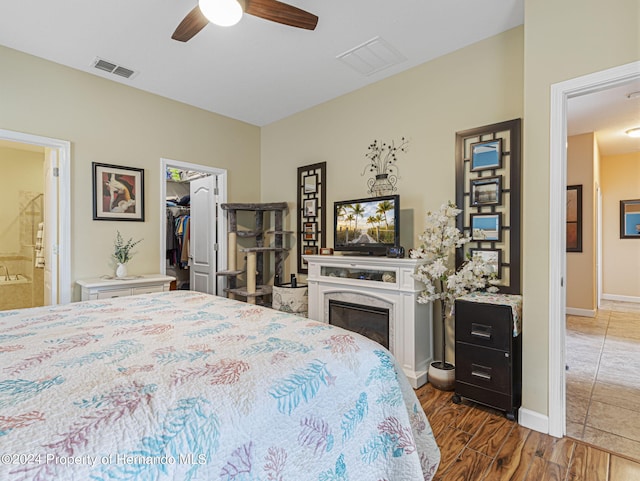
<point>106,288</point>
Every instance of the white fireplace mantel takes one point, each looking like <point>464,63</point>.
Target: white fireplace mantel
<point>381,282</point>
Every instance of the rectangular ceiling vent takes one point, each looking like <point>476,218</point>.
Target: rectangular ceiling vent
<point>113,68</point>
<point>372,56</point>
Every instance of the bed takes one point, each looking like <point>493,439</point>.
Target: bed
<point>187,386</point>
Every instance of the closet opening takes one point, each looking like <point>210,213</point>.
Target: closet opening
<point>193,227</point>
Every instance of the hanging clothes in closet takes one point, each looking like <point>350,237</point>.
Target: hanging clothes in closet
<point>178,220</point>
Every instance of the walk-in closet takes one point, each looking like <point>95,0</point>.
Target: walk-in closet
<point>179,255</point>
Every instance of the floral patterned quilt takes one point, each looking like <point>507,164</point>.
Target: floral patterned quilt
<point>188,386</point>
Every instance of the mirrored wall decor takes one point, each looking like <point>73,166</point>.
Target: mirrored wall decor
<point>488,183</point>
<point>312,215</point>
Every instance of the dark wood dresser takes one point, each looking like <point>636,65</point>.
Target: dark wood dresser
<point>489,351</point>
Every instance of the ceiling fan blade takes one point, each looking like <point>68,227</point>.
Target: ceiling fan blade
<point>190,25</point>
<point>282,13</point>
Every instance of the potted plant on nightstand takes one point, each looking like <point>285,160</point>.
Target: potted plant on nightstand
<point>122,253</point>
<point>443,282</point>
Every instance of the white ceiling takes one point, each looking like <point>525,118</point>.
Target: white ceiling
<point>608,113</point>
<point>259,71</point>
<point>256,71</point>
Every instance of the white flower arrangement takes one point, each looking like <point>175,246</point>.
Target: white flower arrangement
<point>442,281</point>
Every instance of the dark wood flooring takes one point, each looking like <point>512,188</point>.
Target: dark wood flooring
<point>480,444</point>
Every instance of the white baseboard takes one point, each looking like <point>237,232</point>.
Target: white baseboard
<point>616,297</point>
<point>533,420</point>
<point>574,311</point>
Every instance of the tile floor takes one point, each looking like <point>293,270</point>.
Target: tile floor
<point>603,378</point>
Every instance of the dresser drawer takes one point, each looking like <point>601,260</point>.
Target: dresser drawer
<point>147,289</point>
<point>485,325</point>
<point>483,367</point>
<point>110,293</point>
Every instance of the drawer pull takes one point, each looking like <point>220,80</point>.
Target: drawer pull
<point>481,331</point>
<point>481,375</point>
<point>481,334</point>
<point>481,372</point>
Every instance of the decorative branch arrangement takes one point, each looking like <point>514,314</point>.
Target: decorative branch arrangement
<point>382,158</point>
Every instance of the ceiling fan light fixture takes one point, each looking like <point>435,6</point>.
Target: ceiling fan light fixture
<point>224,13</point>
<point>634,132</point>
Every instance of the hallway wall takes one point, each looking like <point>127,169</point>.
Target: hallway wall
<point>582,151</point>
<point>620,181</point>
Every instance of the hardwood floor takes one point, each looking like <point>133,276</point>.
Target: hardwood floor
<point>480,444</point>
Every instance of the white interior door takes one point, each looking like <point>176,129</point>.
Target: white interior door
<point>202,238</point>
<point>50,241</point>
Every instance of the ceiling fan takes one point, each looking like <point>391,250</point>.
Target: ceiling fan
<point>228,12</point>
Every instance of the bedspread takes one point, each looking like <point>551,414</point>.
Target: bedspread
<point>188,386</point>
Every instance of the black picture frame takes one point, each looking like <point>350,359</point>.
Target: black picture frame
<point>489,224</point>
<point>118,192</point>
<point>630,219</point>
<point>309,230</point>
<point>310,208</point>
<point>574,218</point>
<point>486,155</point>
<point>493,256</point>
<point>310,184</point>
<point>485,191</point>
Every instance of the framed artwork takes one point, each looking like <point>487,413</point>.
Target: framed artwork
<point>630,219</point>
<point>486,191</point>
<point>574,218</point>
<point>310,184</point>
<point>118,192</point>
<point>486,227</point>
<point>309,231</point>
<point>493,257</point>
<point>310,208</point>
<point>486,155</point>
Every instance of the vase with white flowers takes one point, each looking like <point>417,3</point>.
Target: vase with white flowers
<point>122,253</point>
<point>443,282</point>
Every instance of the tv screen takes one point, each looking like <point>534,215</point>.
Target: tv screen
<point>367,225</point>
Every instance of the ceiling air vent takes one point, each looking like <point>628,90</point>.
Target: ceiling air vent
<point>113,68</point>
<point>372,56</point>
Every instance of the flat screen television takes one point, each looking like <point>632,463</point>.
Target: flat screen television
<point>367,226</point>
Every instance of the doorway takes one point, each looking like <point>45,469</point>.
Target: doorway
<point>200,195</point>
<point>56,235</point>
<point>560,94</point>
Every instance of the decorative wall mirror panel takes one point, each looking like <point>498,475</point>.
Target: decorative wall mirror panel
<point>312,213</point>
<point>488,190</point>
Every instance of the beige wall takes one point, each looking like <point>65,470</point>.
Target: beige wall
<point>563,40</point>
<point>426,104</point>
<point>478,85</point>
<point>620,257</point>
<point>22,171</point>
<point>115,124</point>
<point>581,274</point>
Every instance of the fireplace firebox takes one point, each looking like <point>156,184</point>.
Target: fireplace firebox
<point>371,322</point>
